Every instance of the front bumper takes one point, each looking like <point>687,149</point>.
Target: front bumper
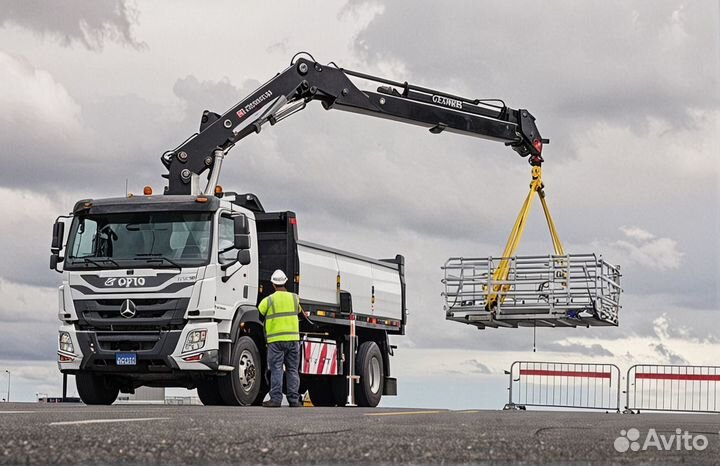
<point>157,352</point>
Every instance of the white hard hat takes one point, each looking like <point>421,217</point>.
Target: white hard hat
<point>278,277</point>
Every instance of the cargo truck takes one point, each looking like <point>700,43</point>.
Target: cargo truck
<point>162,290</point>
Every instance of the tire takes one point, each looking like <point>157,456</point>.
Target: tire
<point>96,389</point>
<point>209,392</point>
<point>264,389</point>
<point>242,386</point>
<point>321,393</point>
<point>369,364</point>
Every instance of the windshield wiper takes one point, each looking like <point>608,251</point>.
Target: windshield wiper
<point>98,262</point>
<point>91,261</point>
<point>155,258</point>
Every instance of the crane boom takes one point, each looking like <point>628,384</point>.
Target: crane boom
<point>306,80</point>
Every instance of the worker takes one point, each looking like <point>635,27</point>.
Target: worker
<point>282,332</point>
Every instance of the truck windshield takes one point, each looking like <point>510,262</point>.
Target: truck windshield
<point>129,240</point>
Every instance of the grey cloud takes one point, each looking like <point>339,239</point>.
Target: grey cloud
<point>669,355</point>
<point>90,23</point>
<point>617,61</point>
<point>595,350</point>
<point>14,344</point>
<point>476,366</point>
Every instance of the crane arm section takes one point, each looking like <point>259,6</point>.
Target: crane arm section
<point>306,80</point>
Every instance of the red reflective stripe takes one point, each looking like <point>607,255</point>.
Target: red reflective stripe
<point>321,362</point>
<point>597,375</point>
<point>333,365</point>
<point>704,377</point>
<point>307,354</point>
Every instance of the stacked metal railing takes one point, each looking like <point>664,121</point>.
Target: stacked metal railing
<point>570,290</point>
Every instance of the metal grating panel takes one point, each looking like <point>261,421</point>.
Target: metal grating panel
<point>567,291</point>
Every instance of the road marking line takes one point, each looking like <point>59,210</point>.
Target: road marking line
<point>403,413</point>
<point>16,412</point>
<point>470,411</point>
<point>107,421</point>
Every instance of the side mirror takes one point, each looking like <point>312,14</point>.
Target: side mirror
<point>243,257</point>
<point>242,242</point>
<point>54,259</point>
<point>242,227</point>
<point>58,235</point>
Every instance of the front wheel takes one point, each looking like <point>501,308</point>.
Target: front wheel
<point>96,389</point>
<point>241,387</point>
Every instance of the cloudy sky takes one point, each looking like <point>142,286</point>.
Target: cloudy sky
<point>93,91</point>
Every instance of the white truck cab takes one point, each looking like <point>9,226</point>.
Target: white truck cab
<point>163,291</point>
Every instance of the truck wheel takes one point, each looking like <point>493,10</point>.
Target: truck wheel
<point>209,393</point>
<point>242,386</point>
<point>264,389</point>
<point>369,362</point>
<point>322,393</point>
<point>96,389</point>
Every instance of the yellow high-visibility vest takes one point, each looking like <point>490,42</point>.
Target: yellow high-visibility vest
<point>281,316</point>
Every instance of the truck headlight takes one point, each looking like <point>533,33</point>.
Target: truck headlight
<point>66,344</point>
<point>195,340</point>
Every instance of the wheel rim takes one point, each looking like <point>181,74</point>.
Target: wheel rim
<point>375,375</point>
<point>246,371</point>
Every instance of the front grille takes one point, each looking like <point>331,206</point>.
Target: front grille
<point>144,301</point>
<point>130,341</point>
<point>150,314</point>
<point>142,365</point>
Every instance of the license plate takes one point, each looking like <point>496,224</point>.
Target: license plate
<point>126,359</point>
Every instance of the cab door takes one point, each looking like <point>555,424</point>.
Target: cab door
<point>233,279</point>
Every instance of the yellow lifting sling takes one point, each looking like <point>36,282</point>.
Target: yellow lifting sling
<point>500,276</point>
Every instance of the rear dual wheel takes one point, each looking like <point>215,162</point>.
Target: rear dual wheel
<point>370,367</point>
<point>332,390</point>
<point>328,391</point>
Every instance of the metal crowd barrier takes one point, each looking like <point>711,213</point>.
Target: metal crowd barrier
<point>564,385</point>
<point>652,387</point>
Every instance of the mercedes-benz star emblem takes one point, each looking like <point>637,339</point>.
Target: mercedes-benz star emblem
<point>127,309</point>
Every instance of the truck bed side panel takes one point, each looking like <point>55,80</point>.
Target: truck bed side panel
<point>388,292</point>
<point>318,276</point>
<point>320,266</point>
<point>356,278</point>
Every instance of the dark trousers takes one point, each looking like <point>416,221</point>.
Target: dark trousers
<point>284,353</point>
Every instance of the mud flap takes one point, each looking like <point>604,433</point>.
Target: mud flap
<point>390,386</point>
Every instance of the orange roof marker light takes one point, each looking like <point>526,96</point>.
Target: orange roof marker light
<point>218,191</point>
<point>201,199</point>
<point>147,190</point>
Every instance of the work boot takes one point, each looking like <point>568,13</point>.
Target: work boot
<point>271,404</point>
<point>296,404</point>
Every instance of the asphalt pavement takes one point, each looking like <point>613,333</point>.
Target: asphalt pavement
<point>176,435</point>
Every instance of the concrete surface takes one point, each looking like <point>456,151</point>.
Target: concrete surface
<point>135,434</point>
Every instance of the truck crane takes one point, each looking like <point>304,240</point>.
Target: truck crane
<point>306,80</point>
<point>162,290</point>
